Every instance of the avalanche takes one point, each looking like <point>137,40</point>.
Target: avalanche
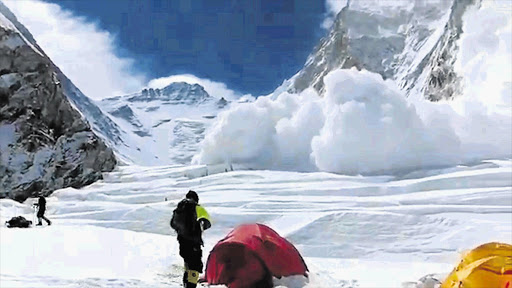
<point>365,125</point>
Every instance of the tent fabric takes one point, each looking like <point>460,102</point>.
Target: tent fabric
<point>488,265</point>
<point>251,254</point>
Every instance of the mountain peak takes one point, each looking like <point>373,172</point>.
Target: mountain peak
<point>176,93</point>
<point>415,45</point>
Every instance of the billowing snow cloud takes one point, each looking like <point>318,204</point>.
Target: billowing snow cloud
<point>370,128</point>
<point>265,134</point>
<point>361,125</point>
<point>365,125</point>
<point>215,89</point>
<point>84,52</point>
<point>333,7</point>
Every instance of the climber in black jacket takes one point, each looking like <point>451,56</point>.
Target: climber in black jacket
<point>41,203</point>
<point>190,220</point>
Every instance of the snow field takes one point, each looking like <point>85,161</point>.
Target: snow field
<point>353,231</point>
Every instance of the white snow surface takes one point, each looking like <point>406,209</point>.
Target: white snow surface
<point>160,132</point>
<point>353,231</point>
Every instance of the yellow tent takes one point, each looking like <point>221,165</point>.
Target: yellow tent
<point>487,266</point>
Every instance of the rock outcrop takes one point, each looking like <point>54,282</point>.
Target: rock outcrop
<point>45,143</point>
<point>174,93</point>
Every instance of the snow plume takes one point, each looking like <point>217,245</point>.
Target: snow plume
<point>365,125</point>
<point>84,52</point>
<point>215,89</point>
<point>332,7</point>
<point>370,128</point>
<point>266,133</point>
<point>484,63</point>
<point>485,56</point>
<point>482,115</point>
<point>362,125</point>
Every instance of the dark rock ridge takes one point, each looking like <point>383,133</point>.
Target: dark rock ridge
<point>442,82</point>
<point>100,123</point>
<point>45,144</point>
<point>222,103</point>
<point>174,93</point>
<point>125,112</point>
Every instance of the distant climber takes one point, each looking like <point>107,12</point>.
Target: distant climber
<point>41,203</point>
<point>189,220</point>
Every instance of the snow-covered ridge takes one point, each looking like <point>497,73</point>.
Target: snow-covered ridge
<point>46,144</point>
<point>175,93</point>
<point>172,120</point>
<point>398,40</point>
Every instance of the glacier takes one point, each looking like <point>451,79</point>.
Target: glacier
<point>354,231</point>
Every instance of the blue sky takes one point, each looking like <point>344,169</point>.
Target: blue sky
<point>251,45</point>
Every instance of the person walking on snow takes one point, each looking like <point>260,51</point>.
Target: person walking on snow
<point>41,203</point>
<point>189,220</point>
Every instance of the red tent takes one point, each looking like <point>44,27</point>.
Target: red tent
<point>250,255</point>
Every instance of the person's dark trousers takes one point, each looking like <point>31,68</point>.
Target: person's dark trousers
<point>192,255</point>
<point>41,216</point>
<point>45,219</point>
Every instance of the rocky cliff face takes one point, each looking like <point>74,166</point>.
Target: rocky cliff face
<point>174,94</point>
<point>45,144</point>
<point>414,43</point>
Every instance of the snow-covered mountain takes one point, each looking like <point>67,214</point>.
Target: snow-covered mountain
<point>409,191</point>
<point>171,120</point>
<point>395,86</point>
<point>163,126</point>
<point>45,142</point>
<point>413,43</point>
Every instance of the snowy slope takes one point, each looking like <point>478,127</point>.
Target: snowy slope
<point>163,126</point>
<point>369,123</point>
<point>353,231</point>
<point>414,43</point>
<point>46,143</point>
